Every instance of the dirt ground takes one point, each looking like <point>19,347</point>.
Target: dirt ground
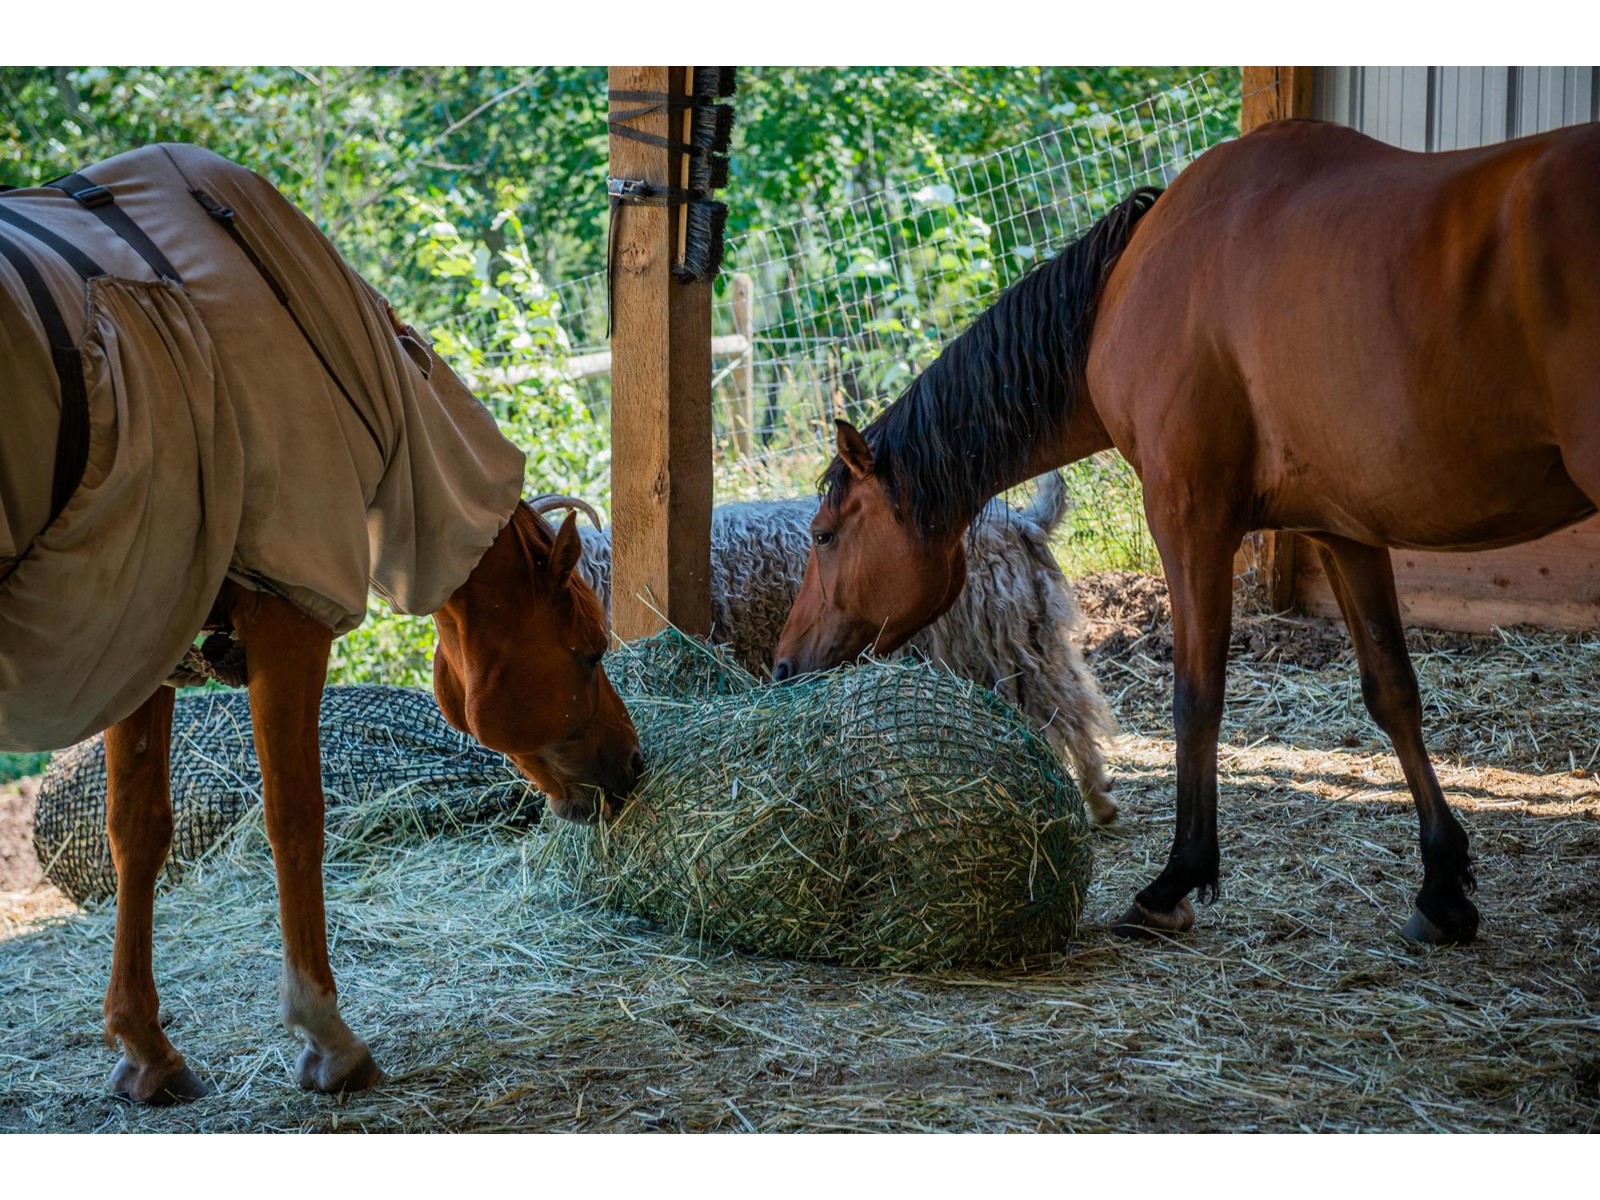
<point>497,1003</point>
<point>25,895</point>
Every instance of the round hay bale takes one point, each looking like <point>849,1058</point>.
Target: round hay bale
<point>390,762</point>
<point>891,815</point>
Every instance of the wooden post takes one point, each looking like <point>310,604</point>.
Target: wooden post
<point>1275,94</point>
<point>744,371</point>
<point>660,393</point>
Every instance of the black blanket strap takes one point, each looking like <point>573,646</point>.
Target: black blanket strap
<point>74,257</point>
<point>99,200</point>
<point>72,438</point>
<point>632,191</point>
<point>224,216</point>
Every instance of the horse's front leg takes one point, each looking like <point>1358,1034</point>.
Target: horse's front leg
<point>1363,582</point>
<point>1197,541</point>
<point>287,654</point>
<point>139,822</point>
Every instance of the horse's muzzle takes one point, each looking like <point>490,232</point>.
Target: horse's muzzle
<point>602,793</point>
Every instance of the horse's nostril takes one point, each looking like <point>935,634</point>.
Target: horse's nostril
<point>782,670</point>
<point>637,763</point>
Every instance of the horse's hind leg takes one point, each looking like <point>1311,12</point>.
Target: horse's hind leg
<point>1363,582</point>
<point>288,663</point>
<point>139,822</point>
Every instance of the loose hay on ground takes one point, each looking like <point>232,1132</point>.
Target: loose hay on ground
<point>498,999</point>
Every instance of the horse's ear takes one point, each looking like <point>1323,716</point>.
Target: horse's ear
<point>567,550</point>
<point>853,449</point>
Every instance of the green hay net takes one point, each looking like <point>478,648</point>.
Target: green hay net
<point>892,815</point>
<point>390,762</point>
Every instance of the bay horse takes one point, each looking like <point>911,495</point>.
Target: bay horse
<point>213,423</point>
<point>1308,331</point>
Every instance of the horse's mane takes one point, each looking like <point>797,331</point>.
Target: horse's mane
<point>968,423</point>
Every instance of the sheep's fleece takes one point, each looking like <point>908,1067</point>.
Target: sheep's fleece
<point>1009,630</point>
<point>220,447</point>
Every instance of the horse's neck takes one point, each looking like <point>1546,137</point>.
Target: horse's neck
<point>1081,435</point>
<point>496,575</point>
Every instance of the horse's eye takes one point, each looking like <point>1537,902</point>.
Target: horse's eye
<point>822,537</point>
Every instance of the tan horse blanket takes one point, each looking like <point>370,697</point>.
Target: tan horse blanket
<point>288,433</point>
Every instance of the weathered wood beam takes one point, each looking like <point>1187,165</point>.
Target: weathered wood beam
<point>660,392</point>
<point>1274,94</point>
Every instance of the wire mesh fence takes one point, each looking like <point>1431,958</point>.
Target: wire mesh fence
<point>833,314</point>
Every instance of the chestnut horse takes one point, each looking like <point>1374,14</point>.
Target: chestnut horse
<point>1308,331</point>
<point>517,666</point>
<point>247,438</point>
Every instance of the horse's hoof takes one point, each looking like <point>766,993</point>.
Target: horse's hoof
<point>159,1085</point>
<point>349,1070</point>
<point>1140,922</point>
<point>1102,808</point>
<point>1422,931</point>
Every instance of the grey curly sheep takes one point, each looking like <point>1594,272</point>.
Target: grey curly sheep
<point>1010,630</point>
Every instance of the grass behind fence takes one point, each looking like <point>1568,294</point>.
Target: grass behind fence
<point>15,766</point>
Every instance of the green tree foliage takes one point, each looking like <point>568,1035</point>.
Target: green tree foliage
<point>362,148</point>
<point>463,192</point>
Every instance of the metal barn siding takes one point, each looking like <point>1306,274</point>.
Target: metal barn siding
<point>1451,108</point>
<point>1554,581</point>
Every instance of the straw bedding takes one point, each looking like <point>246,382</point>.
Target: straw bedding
<point>893,815</point>
<point>498,997</point>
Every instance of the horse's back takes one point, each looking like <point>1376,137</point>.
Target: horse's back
<point>1336,316</point>
<point>258,414</point>
<point>123,556</point>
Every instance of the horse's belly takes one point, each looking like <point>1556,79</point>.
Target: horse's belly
<point>1465,503</point>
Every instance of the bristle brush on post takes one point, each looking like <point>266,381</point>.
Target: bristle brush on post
<point>714,83</point>
<point>703,241</point>
<point>705,170</point>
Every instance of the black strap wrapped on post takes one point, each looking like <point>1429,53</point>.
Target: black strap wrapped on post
<point>632,191</point>
<point>710,128</point>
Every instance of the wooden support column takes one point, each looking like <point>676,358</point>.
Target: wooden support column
<point>660,392</point>
<point>1275,94</point>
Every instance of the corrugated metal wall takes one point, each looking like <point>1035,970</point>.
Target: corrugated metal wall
<point>1554,581</point>
<point>1448,108</point>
